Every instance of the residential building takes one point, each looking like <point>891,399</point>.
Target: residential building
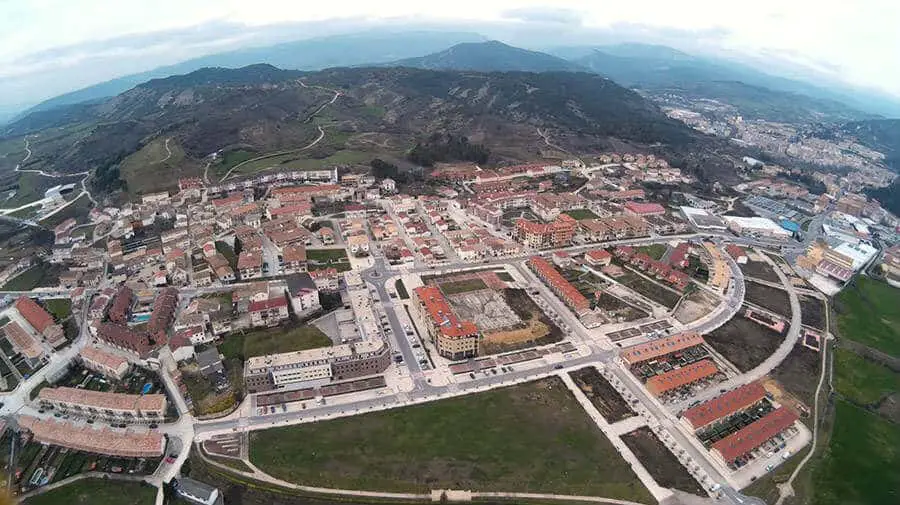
<point>120,306</point>
<point>24,343</point>
<point>660,347</point>
<point>122,337</point>
<point>644,209</point>
<point>163,313</point>
<point>105,362</point>
<point>723,406</point>
<point>453,338</point>
<point>732,449</point>
<point>598,257</point>
<point>302,293</point>
<point>269,312</point>
<point>663,383</point>
<point>197,492</point>
<point>250,264</point>
<point>559,285</point>
<point>112,406</point>
<point>40,320</point>
<point>124,444</point>
<point>316,366</point>
<point>557,233</point>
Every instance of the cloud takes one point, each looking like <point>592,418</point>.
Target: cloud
<point>544,15</point>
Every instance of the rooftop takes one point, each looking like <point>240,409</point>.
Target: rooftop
<point>103,400</point>
<point>725,405</point>
<point>101,441</point>
<point>755,434</point>
<point>660,347</point>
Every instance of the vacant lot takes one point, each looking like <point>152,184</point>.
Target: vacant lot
<point>655,251</point>
<point>744,343</point>
<point>272,340</point>
<point>812,312</point>
<point>454,287</point>
<point>532,438</point>
<point>321,259</point>
<point>61,308</point>
<point>867,313</point>
<point>862,381</point>
<point>97,492</point>
<point>650,289</point>
<point>42,275</point>
<point>535,327</point>
<point>861,462</point>
<point>799,373</point>
<point>608,401</point>
<point>581,214</point>
<point>769,298</point>
<point>760,270</point>
<point>660,462</point>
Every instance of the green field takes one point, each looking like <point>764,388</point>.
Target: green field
<point>32,187</point>
<point>153,169</point>
<point>226,250</point>
<point>529,438</point>
<point>401,290</point>
<point>463,286</point>
<point>320,259</point>
<point>860,380</point>
<point>36,276</point>
<point>655,251</point>
<point>272,340</point>
<point>860,465</point>
<point>868,313</point>
<point>61,308</point>
<point>295,160</point>
<point>581,214</point>
<point>97,492</point>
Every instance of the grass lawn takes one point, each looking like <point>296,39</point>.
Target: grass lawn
<point>505,276</point>
<point>860,380</point>
<point>867,313</point>
<point>97,492</point>
<point>581,214</point>
<point>655,251</point>
<point>272,340</point>
<point>326,255</point>
<point>530,438</point>
<point>463,286</point>
<point>226,250</point>
<point>860,464</point>
<point>61,308</point>
<point>36,276</point>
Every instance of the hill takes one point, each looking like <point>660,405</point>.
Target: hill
<point>664,70</point>
<point>883,135</point>
<point>380,112</point>
<point>491,56</point>
<point>311,54</point>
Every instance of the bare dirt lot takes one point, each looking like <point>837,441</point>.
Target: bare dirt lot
<point>812,312</point>
<point>486,308</point>
<point>798,375</point>
<point>660,462</point>
<point>534,327</point>
<point>615,308</point>
<point>695,306</point>
<point>650,289</point>
<point>773,299</point>
<point>608,401</point>
<point>760,270</point>
<point>744,343</point>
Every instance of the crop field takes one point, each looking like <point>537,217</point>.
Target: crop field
<point>532,437</point>
<point>867,313</point>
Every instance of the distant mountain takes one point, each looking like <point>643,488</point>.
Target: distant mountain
<point>311,54</point>
<point>382,111</point>
<point>883,135</point>
<point>491,56</point>
<point>756,95</point>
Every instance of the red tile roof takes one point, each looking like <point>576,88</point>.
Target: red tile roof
<point>755,434</point>
<point>272,303</point>
<point>723,406</point>
<point>36,316</point>
<point>442,314</point>
<point>559,284</point>
<point>660,347</point>
<point>645,208</point>
<point>659,384</point>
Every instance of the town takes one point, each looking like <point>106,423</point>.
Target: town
<point>192,319</point>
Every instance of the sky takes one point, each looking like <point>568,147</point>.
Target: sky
<point>48,47</point>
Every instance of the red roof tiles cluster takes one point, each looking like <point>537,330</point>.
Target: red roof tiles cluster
<point>643,209</point>
<point>725,405</point>
<point>662,383</point>
<point>754,434</point>
<point>121,305</point>
<point>36,316</point>
<point>163,312</point>
<point>559,284</point>
<point>89,439</point>
<point>442,314</point>
<point>660,347</point>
